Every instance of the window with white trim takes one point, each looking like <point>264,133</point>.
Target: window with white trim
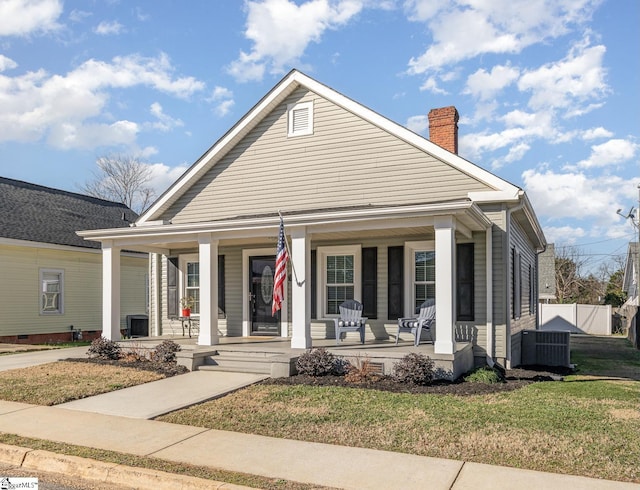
<point>300,119</point>
<point>420,274</point>
<point>51,292</point>
<point>190,268</point>
<point>339,273</point>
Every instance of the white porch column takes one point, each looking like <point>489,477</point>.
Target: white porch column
<point>300,289</point>
<point>445,283</point>
<point>208,249</point>
<point>110,291</point>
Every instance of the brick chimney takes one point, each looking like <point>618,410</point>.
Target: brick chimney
<point>443,128</point>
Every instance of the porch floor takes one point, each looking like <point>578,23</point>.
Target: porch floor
<point>382,353</point>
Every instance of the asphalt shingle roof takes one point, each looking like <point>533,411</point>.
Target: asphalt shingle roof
<point>41,214</point>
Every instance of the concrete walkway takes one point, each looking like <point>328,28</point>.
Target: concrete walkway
<point>153,399</point>
<point>107,422</point>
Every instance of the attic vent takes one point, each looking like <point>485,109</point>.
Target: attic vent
<point>300,119</point>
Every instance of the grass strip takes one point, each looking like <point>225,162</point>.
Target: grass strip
<point>63,381</point>
<point>157,464</point>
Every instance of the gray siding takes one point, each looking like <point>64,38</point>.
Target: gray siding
<point>497,215</point>
<point>312,172</point>
<point>476,331</point>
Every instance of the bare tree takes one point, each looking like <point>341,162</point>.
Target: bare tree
<point>122,178</point>
<point>569,264</point>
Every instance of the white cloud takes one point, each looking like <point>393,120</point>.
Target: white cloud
<point>68,135</point>
<point>165,122</point>
<point>224,107</point>
<point>64,108</point>
<point>567,235</point>
<point>418,124</point>
<point>575,195</point>
<point>162,176</point>
<point>431,84</point>
<point>281,30</point>
<point>570,83</point>
<point>222,98</point>
<point>26,17</point>
<point>220,93</point>
<point>520,128</point>
<point>462,29</point>
<point>7,63</point>
<point>485,85</point>
<point>595,133</point>
<point>610,153</point>
<point>79,15</point>
<point>106,28</point>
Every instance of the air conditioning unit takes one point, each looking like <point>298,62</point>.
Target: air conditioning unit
<point>546,348</point>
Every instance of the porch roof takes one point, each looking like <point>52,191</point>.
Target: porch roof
<point>323,224</point>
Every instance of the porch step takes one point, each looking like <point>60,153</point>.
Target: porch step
<point>237,363</point>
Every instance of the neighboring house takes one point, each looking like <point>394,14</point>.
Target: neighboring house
<point>50,282</point>
<point>372,210</point>
<point>630,279</point>
<point>547,274</point>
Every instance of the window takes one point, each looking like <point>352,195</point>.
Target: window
<point>516,283</point>
<point>192,285</point>
<point>300,119</point>
<point>339,268</point>
<point>532,290</point>
<point>420,263</point>
<point>51,292</point>
<point>424,277</point>
<point>465,282</point>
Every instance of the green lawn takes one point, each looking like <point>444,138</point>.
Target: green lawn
<point>584,426</point>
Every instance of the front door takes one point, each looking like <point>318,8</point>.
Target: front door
<point>261,270</point>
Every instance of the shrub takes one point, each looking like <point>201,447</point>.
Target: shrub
<point>484,375</point>
<point>362,372</point>
<point>134,352</point>
<point>414,368</point>
<point>341,366</point>
<point>166,351</point>
<point>103,348</point>
<point>316,362</point>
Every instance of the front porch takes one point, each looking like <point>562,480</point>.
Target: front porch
<point>275,356</point>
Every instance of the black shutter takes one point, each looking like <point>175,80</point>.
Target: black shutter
<point>370,282</point>
<point>221,307</point>
<point>314,285</point>
<point>172,287</point>
<point>465,282</point>
<point>395,277</point>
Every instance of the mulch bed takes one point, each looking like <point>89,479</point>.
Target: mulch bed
<point>514,379</point>
<point>165,368</point>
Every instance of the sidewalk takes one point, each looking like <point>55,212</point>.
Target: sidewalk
<point>116,429</point>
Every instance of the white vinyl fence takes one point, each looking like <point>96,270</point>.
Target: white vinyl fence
<point>575,318</point>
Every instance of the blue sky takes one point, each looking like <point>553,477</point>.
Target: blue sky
<point>547,90</point>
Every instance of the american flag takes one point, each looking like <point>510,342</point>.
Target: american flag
<point>280,275</point>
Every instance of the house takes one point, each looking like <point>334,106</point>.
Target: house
<point>372,211</point>
<point>51,285</point>
<point>630,278</point>
<point>547,274</point>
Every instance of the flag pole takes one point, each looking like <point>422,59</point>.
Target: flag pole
<point>286,244</point>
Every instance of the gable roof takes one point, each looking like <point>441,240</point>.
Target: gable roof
<point>502,190</point>
<point>41,214</point>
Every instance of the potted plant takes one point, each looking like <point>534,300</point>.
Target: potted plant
<point>186,303</point>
